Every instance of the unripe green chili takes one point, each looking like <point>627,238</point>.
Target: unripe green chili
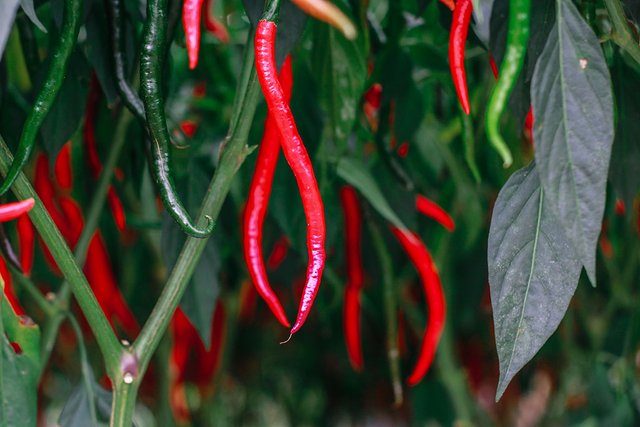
<point>153,50</point>
<point>49,91</point>
<point>517,39</point>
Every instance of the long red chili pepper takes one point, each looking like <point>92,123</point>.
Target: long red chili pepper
<point>62,167</point>
<point>355,274</point>
<point>299,161</point>
<point>278,253</point>
<point>191,11</point>
<point>432,210</point>
<point>213,25</point>
<point>258,200</point>
<point>422,261</point>
<point>26,241</point>
<point>8,289</point>
<point>11,211</point>
<point>457,40</point>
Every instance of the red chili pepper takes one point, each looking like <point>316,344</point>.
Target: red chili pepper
<point>26,240</point>
<point>355,274</point>
<point>117,211</point>
<point>8,289</point>
<point>620,208</point>
<point>188,127</point>
<point>403,149</point>
<point>63,169</point>
<point>326,11</point>
<point>432,210</point>
<point>372,102</point>
<point>299,161</point>
<point>428,272</point>
<point>528,125</point>
<point>191,11</point>
<point>278,253</point>
<point>213,25</point>
<point>11,211</point>
<point>258,200</point>
<point>457,40</point>
<point>448,3</point>
<point>494,66</point>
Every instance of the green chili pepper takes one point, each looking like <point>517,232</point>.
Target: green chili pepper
<point>49,91</point>
<point>153,51</point>
<point>517,39</point>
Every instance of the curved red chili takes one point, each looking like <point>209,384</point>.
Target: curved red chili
<point>278,253</point>
<point>434,211</point>
<point>191,11</point>
<point>62,167</point>
<point>299,161</point>
<point>213,25</point>
<point>430,279</point>
<point>355,274</point>
<point>258,200</point>
<point>8,289</point>
<point>11,211</point>
<point>26,241</point>
<point>457,40</point>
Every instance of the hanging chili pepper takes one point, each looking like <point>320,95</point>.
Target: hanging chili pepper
<point>47,95</point>
<point>355,274</point>
<point>258,200</point>
<point>26,241</point>
<point>279,252</point>
<point>528,125</point>
<point>11,211</point>
<point>62,167</point>
<point>326,11</point>
<point>9,293</point>
<point>457,39</point>
<point>517,39</point>
<point>212,24</point>
<point>151,63</point>
<point>428,272</point>
<point>432,210</point>
<point>371,107</point>
<point>191,11</point>
<point>296,156</point>
<point>7,250</point>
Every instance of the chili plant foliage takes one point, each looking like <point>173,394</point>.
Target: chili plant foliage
<point>450,169</point>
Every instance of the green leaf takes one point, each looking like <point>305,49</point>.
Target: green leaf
<point>533,272</point>
<point>77,410</point>
<point>341,70</point>
<point>573,109</point>
<point>7,15</point>
<point>97,50</point>
<point>29,10</point>
<point>356,174</point>
<point>18,389</point>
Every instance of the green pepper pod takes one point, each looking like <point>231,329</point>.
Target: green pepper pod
<point>153,51</point>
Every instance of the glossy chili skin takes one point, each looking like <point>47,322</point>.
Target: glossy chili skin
<point>432,210</point>
<point>151,63</point>
<point>191,12</point>
<point>355,274</point>
<point>47,95</point>
<point>299,161</point>
<point>10,211</point>
<point>26,241</point>
<point>517,39</point>
<point>258,200</point>
<point>430,280</point>
<point>457,41</point>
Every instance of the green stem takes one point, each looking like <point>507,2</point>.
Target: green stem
<point>124,403</point>
<point>106,338</point>
<point>621,34</point>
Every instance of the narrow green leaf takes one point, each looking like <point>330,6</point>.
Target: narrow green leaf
<point>7,15</point>
<point>573,109</point>
<point>356,174</point>
<point>533,272</point>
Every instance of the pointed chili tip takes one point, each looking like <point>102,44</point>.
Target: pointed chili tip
<point>193,61</point>
<point>466,108</point>
<point>288,339</point>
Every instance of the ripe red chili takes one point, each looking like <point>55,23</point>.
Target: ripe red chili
<point>26,240</point>
<point>62,167</point>
<point>432,210</point>
<point>258,200</point>
<point>448,3</point>
<point>457,40</point>
<point>191,11</point>
<point>11,211</point>
<point>298,160</point>
<point>355,274</point>
<point>278,253</point>
<point>8,289</point>
<point>430,279</point>
<point>212,24</point>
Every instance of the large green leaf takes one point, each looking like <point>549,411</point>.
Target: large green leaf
<point>88,404</point>
<point>533,272</point>
<point>573,108</point>
<point>17,388</point>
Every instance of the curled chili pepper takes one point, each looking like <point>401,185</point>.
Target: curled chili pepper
<point>47,95</point>
<point>151,63</point>
<point>326,11</point>
<point>191,11</point>
<point>11,211</point>
<point>430,279</point>
<point>355,274</point>
<point>212,24</point>
<point>457,40</point>
<point>432,210</point>
<point>258,200</point>
<point>296,156</point>
<point>26,241</point>
<point>517,39</point>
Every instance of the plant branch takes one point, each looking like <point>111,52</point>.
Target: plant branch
<point>621,34</point>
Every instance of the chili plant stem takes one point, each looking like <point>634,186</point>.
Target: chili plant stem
<point>621,34</point>
<point>106,338</point>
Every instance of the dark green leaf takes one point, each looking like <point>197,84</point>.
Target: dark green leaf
<point>573,109</point>
<point>98,50</point>
<point>17,388</point>
<point>7,15</point>
<point>533,272</point>
<point>29,10</point>
<point>77,410</point>
<point>356,174</point>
